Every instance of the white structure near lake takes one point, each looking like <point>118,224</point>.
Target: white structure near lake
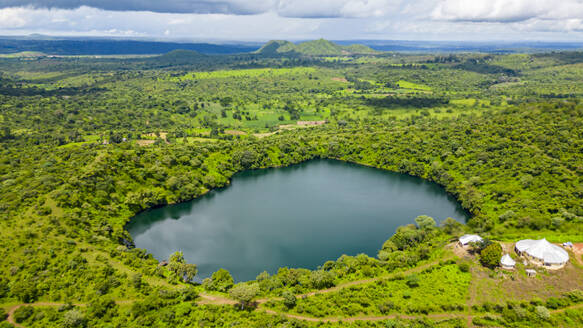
<point>466,239</point>
<point>506,262</point>
<point>542,253</point>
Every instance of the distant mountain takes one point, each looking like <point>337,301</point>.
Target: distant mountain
<point>112,46</point>
<point>319,47</point>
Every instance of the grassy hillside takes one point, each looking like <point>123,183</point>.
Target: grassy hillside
<point>319,47</point>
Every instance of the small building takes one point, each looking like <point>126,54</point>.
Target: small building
<point>531,273</point>
<point>542,253</point>
<point>506,262</point>
<point>466,239</point>
<point>568,244</point>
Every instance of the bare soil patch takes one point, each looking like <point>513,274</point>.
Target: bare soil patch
<point>235,132</point>
<point>340,79</point>
<point>500,286</point>
<point>145,142</point>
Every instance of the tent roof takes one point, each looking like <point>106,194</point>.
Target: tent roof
<point>506,260</point>
<point>466,239</point>
<point>543,250</point>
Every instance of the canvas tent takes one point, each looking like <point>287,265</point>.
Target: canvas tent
<point>466,239</point>
<point>507,262</point>
<point>543,253</point>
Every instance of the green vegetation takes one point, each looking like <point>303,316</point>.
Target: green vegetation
<point>85,144</point>
<point>313,48</point>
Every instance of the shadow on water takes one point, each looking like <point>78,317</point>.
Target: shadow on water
<point>297,216</point>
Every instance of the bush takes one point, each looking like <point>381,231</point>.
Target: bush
<point>386,307</point>
<point>412,280</point>
<point>464,267</point>
<point>542,313</point>
<point>23,313</point>
<point>289,299</point>
<point>74,319</point>
<point>321,279</point>
<point>25,291</point>
<point>220,281</point>
<point>3,314</point>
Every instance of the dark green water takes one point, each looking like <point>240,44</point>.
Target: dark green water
<point>299,216</point>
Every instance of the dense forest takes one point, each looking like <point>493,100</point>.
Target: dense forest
<point>87,143</point>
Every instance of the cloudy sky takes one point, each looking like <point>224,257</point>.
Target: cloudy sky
<point>259,20</point>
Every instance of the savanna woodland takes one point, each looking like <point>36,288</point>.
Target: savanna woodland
<point>86,143</point>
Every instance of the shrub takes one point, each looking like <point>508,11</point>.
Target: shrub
<point>289,299</point>
<point>464,267</point>
<point>220,281</point>
<point>576,296</point>
<point>3,288</point>
<point>187,294</point>
<point>74,319</point>
<point>542,313</point>
<point>24,291</point>
<point>386,307</point>
<point>3,314</point>
<point>555,303</point>
<point>413,280</point>
<point>23,313</point>
<point>321,279</point>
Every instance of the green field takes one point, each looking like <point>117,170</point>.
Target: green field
<point>86,143</point>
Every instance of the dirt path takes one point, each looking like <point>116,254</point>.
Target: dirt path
<point>365,318</point>
<point>369,280</point>
<point>578,251</point>
<point>576,306</point>
<point>11,310</point>
<point>207,299</point>
<point>215,300</point>
<point>220,300</point>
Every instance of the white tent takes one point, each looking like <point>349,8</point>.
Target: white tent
<point>466,239</point>
<point>507,262</point>
<point>543,251</point>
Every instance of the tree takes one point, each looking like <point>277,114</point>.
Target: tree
<point>321,279</point>
<point>289,299</point>
<point>248,158</point>
<point>220,281</point>
<point>244,293</point>
<point>183,270</point>
<point>490,256</point>
<point>74,319</point>
<point>23,313</point>
<point>451,226</point>
<point>542,313</point>
<point>425,222</point>
<point>25,291</point>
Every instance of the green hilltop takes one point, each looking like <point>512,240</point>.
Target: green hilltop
<point>319,47</point>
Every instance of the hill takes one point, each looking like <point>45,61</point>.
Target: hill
<point>83,47</point>
<point>319,47</point>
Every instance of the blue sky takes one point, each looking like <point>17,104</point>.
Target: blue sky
<point>260,20</point>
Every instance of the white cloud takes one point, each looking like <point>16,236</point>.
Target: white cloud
<point>336,8</point>
<point>12,18</point>
<point>309,19</point>
<point>507,10</point>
